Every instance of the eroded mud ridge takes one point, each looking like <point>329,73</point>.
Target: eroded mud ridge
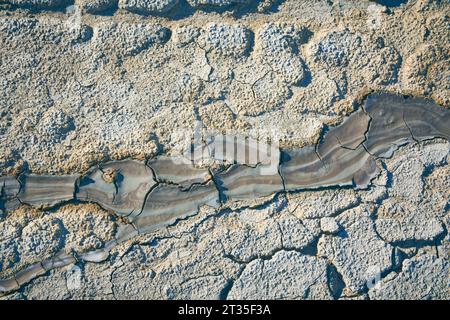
<point>157,193</point>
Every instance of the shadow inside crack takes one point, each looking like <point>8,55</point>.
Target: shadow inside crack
<point>391,3</point>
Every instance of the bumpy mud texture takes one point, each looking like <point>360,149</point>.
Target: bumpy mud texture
<point>100,100</point>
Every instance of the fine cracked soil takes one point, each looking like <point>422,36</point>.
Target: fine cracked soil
<point>87,86</point>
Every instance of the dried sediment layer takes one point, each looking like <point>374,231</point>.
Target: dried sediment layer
<point>166,204</point>
<point>141,7</point>
<point>157,193</point>
<point>392,124</point>
<point>140,78</point>
<point>118,186</point>
<point>146,7</point>
<point>344,157</point>
<point>347,154</point>
<point>46,190</point>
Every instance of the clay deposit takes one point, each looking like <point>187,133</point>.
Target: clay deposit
<point>229,149</point>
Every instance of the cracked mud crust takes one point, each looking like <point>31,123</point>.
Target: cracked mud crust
<point>98,97</point>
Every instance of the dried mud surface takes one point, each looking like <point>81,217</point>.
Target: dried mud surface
<point>97,97</point>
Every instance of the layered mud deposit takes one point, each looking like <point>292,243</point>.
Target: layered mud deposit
<point>99,200</point>
<point>157,193</point>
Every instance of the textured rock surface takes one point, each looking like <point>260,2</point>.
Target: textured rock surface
<point>106,82</point>
<point>38,4</point>
<point>423,277</point>
<point>96,6</point>
<point>287,275</point>
<point>215,2</point>
<point>147,6</point>
<point>357,250</point>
